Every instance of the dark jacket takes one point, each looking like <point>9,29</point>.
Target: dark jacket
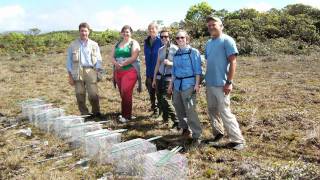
<point>151,55</point>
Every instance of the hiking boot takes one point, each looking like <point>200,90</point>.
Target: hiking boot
<point>239,147</point>
<point>216,139</point>
<point>97,115</point>
<point>155,113</point>
<point>186,133</point>
<point>196,142</point>
<point>236,146</point>
<point>175,126</point>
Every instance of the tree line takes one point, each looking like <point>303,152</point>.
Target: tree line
<point>293,29</point>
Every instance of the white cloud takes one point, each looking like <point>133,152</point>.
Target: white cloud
<point>117,18</point>
<point>11,17</point>
<point>8,12</point>
<point>314,3</point>
<point>15,18</point>
<point>259,6</point>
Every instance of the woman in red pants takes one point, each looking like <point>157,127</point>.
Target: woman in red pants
<point>125,54</point>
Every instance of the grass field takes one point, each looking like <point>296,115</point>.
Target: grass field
<point>276,100</point>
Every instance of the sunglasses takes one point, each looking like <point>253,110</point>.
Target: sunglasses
<point>164,37</point>
<point>177,38</point>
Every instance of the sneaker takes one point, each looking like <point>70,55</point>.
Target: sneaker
<point>122,119</point>
<point>236,146</point>
<point>239,147</point>
<point>88,116</point>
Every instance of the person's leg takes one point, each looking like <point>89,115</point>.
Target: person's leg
<point>189,103</point>
<point>161,99</point>
<point>90,77</point>
<point>152,94</point>
<point>81,97</point>
<point>214,115</point>
<point>229,120</point>
<point>180,110</point>
<point>127,85</point>
<point>118,78</point>
<point>167,105</point>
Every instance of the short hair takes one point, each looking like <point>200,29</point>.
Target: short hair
<point>84,25</point>
<point>125,27</point>
<point>153,24</point>
<point>164,30</point>
<point>186,34</point>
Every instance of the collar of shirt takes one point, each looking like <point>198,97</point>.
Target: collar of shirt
<point>84,42</point>
<point>214,38</point>
<point>151,41</point>
<point>184,49</point>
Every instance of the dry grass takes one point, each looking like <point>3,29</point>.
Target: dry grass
<point>276,100</point>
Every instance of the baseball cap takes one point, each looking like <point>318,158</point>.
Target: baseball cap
<point>214,18</point>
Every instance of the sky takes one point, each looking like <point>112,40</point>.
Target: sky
<point>54,15</point>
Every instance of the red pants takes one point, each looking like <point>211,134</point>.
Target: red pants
<point>126,80</point>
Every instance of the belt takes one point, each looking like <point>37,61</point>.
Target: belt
<point>181,79</point>
<point>87,67</point>
<point>165,75</point>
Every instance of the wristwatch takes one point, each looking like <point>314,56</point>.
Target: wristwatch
<point>228,82</point>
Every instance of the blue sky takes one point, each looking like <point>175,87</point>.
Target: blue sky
<point>107,14</point>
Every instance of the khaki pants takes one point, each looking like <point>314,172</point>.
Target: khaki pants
<point>220,115</point>
<point>88,84</point>
<point>185,105</point>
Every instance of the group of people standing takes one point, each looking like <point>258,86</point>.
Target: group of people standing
<point>173,78</point>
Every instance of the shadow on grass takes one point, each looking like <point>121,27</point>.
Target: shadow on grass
<point>144,124</point>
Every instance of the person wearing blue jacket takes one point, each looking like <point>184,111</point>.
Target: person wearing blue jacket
<point>151,46</point>
<point>185,85</point>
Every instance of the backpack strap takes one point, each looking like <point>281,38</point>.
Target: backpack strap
<point>191,61</point>
<point>189,52</point>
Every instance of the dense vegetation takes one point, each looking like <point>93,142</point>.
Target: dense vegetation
<point>293,29</point>
<point>53,42</point>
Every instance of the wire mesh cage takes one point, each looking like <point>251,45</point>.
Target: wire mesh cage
<point>60,125</point>
<point>127,157</point>
<point>36,109</point>
<point>25,105</point>
<point>45,118</point>
<point>100,140</point>
<point>77,132</point>
<point>164,164</point>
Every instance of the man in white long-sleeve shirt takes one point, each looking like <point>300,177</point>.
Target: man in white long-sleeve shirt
<point>83,63</point>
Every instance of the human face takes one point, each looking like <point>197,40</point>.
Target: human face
<point>165,37</point>
<point>152,31</point>
<point>214,28</point>
<point>126,34</point>
<point>84,33</point>
<point>181,39</point>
